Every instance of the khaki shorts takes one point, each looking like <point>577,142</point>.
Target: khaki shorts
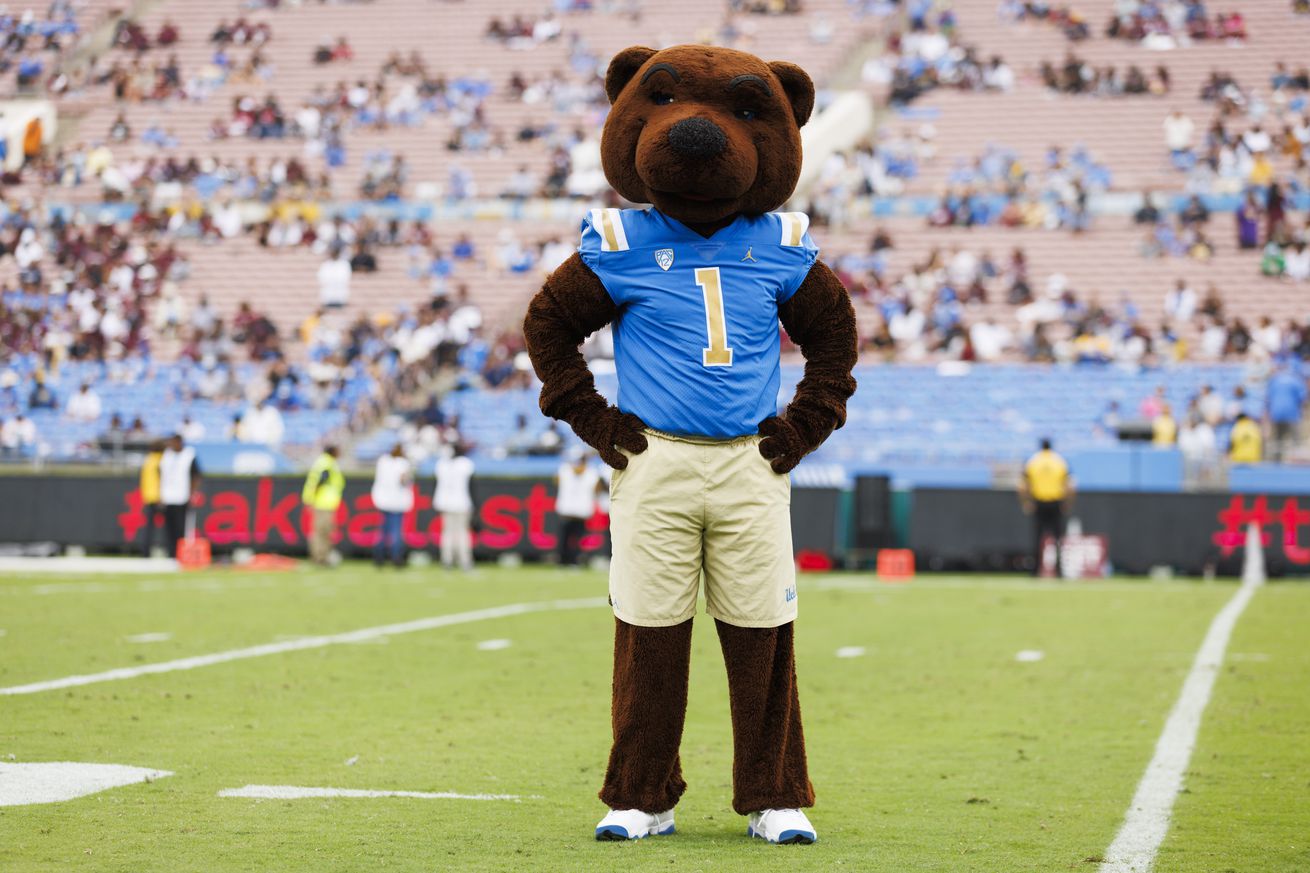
<point>688,507</point>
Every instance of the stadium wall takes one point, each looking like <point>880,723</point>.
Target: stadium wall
<point>105,514</point>
<point>1190,532</point>
<point>968,529</point>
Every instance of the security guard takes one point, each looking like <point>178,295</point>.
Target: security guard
<point>324,487</point>
<point>1046,492</point>
<point>149,488</point>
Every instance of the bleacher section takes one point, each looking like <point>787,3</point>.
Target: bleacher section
<point>164,394</point>
<point>906,416</point>
<point>1126,132</point>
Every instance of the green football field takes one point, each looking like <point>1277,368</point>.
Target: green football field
<point>933,745</point>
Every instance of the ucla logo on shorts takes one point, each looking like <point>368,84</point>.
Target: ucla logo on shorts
<point>790,595</point>
<point>664,257</point>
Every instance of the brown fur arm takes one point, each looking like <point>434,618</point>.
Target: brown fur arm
<point>820,320</point>
<point>572,305</point>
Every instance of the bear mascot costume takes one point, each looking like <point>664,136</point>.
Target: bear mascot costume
<point>695,288</point>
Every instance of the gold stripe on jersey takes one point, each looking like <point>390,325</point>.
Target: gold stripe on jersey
<point>794,225</point>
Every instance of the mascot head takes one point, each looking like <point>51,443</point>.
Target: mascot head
<point>704,133</point>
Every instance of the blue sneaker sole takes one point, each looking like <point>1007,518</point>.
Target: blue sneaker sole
<point>786,838</point>
<point>617,834</point>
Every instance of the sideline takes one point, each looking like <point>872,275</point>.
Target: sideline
<point>1147,821</point>
<point>296,792</point>
<point>368,634</point>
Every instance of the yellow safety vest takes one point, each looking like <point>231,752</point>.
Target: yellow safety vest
<point>150,478</point>
<point>328,494</point>
<point>1048,477</point>
<point>1246,443</point>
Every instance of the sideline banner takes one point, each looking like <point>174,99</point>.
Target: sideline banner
<point>986,530</point>
<point>104,513</point>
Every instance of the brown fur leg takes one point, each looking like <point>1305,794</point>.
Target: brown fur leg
<point>768,762</point>
<point>650,704</point>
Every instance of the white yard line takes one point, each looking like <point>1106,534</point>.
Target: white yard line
<point>367,634</point>
<point>296,792</point>
<point>1147,821</point>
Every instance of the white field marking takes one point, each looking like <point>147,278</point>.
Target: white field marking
<point>315,642</point>
<point>1147,820</point>
<point>494,645</point>
<point>224,582</point>
<point>295,792</point>
<point>850,652</point>
<point>1028,656</point>
<point>954,582</point>
<point>55,781</point>
<point>144,586</point>
<point>88,565</point>
<point>153,637</point>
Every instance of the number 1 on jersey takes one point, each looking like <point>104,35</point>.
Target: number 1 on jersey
<point>716,323</point>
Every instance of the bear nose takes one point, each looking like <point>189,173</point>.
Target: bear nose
<point>697,138</point>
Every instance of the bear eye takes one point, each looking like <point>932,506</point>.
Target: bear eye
<point>661,98</point>
<point>746,114</point>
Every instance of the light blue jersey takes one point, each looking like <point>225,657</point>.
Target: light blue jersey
<point>696,341</point>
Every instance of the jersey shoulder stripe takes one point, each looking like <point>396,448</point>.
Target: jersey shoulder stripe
<point>792,228</point>
<point>607,225</point>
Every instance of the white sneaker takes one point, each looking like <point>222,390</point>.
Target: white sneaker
<point>633,824</point>
<point>781,826</point>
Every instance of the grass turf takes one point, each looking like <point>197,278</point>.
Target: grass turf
<point>934,751</point>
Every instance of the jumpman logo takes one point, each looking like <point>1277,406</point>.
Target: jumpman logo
<point>749,256</point>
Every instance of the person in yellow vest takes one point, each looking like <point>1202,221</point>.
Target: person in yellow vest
<point>324,488</point>
<point>1246,442</point>
<point>149,487</point>
<point>1046,493</point>
<point>1164,429</point>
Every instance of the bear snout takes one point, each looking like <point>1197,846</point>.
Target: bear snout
<point>697,138</point>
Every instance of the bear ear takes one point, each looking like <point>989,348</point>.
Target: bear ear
<point>623,66</point>
<point>800,90</point>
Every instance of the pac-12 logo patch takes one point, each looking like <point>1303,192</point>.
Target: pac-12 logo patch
<point>664,257</point>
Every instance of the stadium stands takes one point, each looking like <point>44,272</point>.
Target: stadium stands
<point>265,137</point>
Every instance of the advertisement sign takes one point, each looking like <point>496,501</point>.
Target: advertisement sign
<point>105,513</point>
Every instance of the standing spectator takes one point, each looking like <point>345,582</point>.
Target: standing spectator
<point>18,435</point>
<point>334,280</point>
<point>1285,396</point>
<point>1180,303</point>
<point>1248,223</point>
<point>1296,261</point>
<point>1178,131</point>
<point>454,501</point>
<point>84,405</point>
<point>1275,212</point>
<point>575,502</point>
<point>262,425</point>
<point>192,431</point>
<point>1164,429</point>
<point>1210,405</point>
<point>324,487</point>
<point>393,495</point>
<point>1196,441</point>
<point>41,396</point>
<point>1245,442</point>
<point>149,488</point>
<point>179,486</point>
<point>1046,492</point>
